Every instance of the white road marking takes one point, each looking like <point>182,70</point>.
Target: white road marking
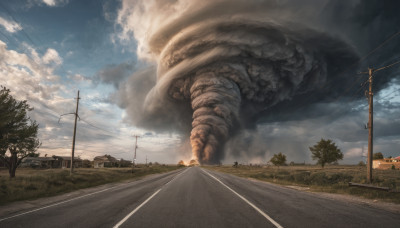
<point>136,209</point>
<point>147,200</point>
<point>177,176</point>
<point>248,202</point>
<point>66,201</point>
<point>52,205</point>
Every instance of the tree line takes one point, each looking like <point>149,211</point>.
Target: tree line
<point>325,152</point>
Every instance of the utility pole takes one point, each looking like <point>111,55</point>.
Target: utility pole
<point>370,125</point>
<point>134,156</point>
<point>73,139</point>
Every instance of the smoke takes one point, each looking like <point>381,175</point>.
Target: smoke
<point>224,65</point>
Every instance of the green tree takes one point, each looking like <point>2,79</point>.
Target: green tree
<point>325,151</point>
<point>278,159</point>
<point>181,163</point>
<point>18,133</point>
<point>378,155</point>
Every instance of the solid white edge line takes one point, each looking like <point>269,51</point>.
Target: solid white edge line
<point>66,201</point>
<point>52,205</point>
<point>136,209</point>
<point>248,202</point>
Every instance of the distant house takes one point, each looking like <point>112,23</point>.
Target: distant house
<point>50,162</point>
<point>124,163</point>
<point>62,162</point>
<point>105,161</point>
<point>38,162</point>
<point>386,163</point>
<point>86,163</point>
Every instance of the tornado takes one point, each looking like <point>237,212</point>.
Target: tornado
<point>215,103</point>
<point>229,69</point>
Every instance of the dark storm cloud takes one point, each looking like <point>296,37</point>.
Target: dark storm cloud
<point>231,65</point>
<point>115,74</point>
<point>131,96</point>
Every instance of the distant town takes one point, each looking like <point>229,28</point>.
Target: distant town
<point>49,162</point>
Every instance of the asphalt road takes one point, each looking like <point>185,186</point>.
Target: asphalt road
<point>197,197</point>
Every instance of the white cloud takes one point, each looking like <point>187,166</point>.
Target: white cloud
<point>10,26</point>
<point>26,75</point>
<point>51,56</point>
<point>30,77</point>
<point>55,2</point>
<point>141,19</point>
<point>78,78</point>
<point>354,152</point>
<point>50,2</point>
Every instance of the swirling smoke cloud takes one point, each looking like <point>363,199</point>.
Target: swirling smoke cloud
<point>221,64</point>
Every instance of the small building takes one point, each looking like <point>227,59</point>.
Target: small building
<point>386,163</point>
<point>38,162</point>
<point>105,161</point>
<point>62,162</point>
<point>124,163</point>
<point>65,162</point>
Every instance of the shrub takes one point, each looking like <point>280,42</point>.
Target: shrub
<point>318,178</point>
<point>302,177</point>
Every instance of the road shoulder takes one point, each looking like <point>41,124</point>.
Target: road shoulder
<point>391,207</point>
<point>26,205</point>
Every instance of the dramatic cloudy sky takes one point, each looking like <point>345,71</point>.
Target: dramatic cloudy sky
<point>112,52</point>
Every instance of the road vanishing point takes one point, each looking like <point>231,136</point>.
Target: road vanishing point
<point>198,197</point>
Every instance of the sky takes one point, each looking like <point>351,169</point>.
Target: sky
<point>125,57</point>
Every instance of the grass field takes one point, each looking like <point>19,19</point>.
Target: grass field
<point>331,179</point>
<point>34,183</point>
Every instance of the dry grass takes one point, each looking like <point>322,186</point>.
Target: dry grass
<point>332,179</point>
<point>33,183</point>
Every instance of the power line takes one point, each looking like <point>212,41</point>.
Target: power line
<point>348,89</point>
<point>380,46</point>
<point>112,134</point>
<point>28,36</point>
<point>388,66</point>
<point>16,21</point>
<point>383,98</point>
<point>381,68</point>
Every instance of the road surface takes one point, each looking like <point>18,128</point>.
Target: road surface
<point>198,197</point>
